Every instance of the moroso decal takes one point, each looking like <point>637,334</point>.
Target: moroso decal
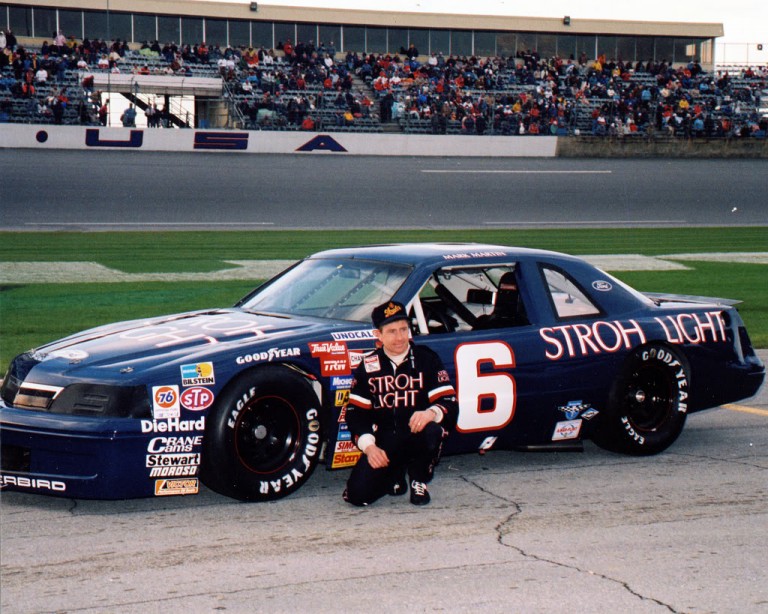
<point>221,140</point>
<point>322,142</point>
<point>92,139</point>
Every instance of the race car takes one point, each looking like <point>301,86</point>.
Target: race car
<point>544,349</point>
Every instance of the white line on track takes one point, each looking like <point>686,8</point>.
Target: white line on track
<point>520,172</point>
<point>151,224</point>
<point>586,223</point>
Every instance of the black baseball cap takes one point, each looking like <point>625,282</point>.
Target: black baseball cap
<point>387,313</point>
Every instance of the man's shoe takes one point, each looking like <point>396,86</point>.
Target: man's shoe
<point>419,493</point>
<point>398,487</point>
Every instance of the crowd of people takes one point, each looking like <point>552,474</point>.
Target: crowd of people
<point>305,86</point>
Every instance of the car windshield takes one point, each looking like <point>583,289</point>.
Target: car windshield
<point>343,289</point>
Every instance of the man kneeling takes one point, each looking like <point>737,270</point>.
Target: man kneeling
<point>401,407</point>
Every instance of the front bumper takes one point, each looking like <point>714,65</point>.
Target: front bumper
<point>77,457</point>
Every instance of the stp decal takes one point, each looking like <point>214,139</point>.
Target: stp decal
<point>197,398</point>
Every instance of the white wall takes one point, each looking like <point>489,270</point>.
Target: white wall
<point>42,136</point>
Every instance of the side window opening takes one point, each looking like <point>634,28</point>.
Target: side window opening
<point>566,297</point>
<point>464,299</point>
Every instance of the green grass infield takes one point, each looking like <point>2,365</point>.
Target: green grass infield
<point>35,313</point>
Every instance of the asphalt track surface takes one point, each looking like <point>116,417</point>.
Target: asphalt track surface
<point>108,190</point>
<point>684,531</point>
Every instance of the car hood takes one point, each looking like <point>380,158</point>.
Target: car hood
<point>155,343</point>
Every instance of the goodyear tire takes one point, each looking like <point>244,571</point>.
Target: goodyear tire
<point>647,406</point>
<point>263,437</point>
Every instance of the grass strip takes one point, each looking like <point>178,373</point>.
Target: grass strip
<point>37,313</point>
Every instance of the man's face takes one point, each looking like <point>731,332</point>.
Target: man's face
<point>394,337</point>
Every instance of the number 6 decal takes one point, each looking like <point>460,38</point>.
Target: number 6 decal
<point>475,387</point>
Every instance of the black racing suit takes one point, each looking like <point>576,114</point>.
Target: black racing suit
<point>382,400</point>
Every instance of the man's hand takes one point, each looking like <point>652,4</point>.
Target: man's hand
<point>420,419</point>
<point>377,458</point>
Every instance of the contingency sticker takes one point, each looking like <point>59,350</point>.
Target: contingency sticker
<point>165,402</point>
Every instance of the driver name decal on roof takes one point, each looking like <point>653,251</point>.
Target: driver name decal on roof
<point>474,255</point>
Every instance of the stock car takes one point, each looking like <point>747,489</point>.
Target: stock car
<point>545,351</point>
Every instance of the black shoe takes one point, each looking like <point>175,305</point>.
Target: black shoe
<point>398,487</point>
<point>419,493</point>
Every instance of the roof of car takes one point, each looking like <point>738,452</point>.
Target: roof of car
<point>421,253</point>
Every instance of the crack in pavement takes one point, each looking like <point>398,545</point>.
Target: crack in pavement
<point>501,533</point>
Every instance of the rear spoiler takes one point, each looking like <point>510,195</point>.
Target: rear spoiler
<point>659,297</point>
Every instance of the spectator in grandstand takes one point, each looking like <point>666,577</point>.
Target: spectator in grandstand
<point>129,117</point>
<point>41,76</point>
<point>10,40</point>
<point>104,113</point>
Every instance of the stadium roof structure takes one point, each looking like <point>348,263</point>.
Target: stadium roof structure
<point>370,31</point>
<point>260,11</point>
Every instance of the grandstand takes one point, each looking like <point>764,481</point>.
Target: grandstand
<point>258,67</point>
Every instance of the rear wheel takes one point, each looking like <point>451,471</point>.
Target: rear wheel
<point>648,403</point>
<point>263,438</point>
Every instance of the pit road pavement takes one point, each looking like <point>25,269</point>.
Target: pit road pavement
<point>684,531</point>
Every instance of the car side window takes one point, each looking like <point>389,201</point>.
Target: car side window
<point>567,298</point>
<point>462,299</point>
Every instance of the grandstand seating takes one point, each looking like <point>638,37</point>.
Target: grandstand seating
<point>501,96</point>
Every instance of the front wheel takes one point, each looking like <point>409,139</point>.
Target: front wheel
<point>262,439</point>
<point>648,403</point>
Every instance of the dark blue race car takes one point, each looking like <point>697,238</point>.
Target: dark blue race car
<point>544,349</point>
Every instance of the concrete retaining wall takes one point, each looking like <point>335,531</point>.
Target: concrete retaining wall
<point>663,147</point>
<point>367,144</point>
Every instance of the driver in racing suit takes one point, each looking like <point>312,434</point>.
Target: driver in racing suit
<point>401,406</point>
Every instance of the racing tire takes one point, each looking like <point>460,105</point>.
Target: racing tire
<point>263,437</point>
<point>648,403</point>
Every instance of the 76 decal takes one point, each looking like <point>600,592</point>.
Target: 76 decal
<point>165,402</point>
<point>486,400</point>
